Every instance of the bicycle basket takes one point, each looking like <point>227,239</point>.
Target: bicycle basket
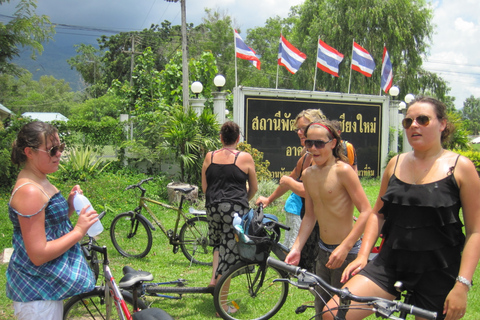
<point>258,228</point>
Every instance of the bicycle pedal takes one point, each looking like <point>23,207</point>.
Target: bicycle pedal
<point>175,249</point>
<point>170,233</point>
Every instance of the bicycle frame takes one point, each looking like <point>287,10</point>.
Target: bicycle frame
<point>113,294</point>
<point>180,214</point>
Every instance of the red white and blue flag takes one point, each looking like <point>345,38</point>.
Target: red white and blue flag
<point>328,59</point>
<point>362,61</point>
<point>387,71</point>
<point>289,56</point>
<point>243,51</point>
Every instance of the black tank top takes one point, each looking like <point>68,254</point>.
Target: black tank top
<point>226,183</point>
<point>422,228</point>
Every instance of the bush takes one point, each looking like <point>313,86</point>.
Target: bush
<point>261,166</point>
<point>81,163</point>
<point>8,171</point>
<point>474,156</point>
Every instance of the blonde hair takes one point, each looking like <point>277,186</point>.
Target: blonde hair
<point>312,115</point>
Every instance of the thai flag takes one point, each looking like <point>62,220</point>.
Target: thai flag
<point>289,56</point>
<point>362,61</point>
<point>328,59</point>
<point>387,71</point>
<point>243,51</point>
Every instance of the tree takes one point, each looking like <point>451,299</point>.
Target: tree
<point>23,94</point>
<point>89,64</point>
<point>26,29</point>
<point>471,114</point>
<point>404,26</point>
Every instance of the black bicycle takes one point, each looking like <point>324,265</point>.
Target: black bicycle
<point>247,290</point>
<point>383,308</point>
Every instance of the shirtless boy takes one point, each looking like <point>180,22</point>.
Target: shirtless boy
<point>332,191</point>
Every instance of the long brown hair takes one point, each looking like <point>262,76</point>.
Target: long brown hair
<point>33,135</point>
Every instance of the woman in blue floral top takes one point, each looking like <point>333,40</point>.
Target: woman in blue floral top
<point>47,265</point>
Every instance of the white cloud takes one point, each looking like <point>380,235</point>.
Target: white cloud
<point>455,46</point>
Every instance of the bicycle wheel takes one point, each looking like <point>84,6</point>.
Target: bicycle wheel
<point>91,305</point>
<point>130,235</point>
<point>241,288</point>
<point>194,241</point>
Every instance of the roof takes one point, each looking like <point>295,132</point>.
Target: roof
<point>4,112</point>
<point>45,116</point>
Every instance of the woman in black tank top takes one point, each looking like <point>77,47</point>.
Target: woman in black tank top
<point>225,174</point>
<point>418,213</point>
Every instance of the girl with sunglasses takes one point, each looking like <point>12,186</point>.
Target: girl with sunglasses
<point>417,212</point>
<point>47,264</point>
<point>332,191</point>
<point>294,205</point>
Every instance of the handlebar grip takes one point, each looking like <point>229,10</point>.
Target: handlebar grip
<point>416,311</point>
<point>283,266</point>
<point>281,225</point>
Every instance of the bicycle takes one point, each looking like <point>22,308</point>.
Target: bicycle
<point>131,232</point>
<point>97,304</point>
<point>247,290</point>
<point>383,308</point>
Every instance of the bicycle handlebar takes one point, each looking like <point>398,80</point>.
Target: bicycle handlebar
<point>138,185</point>
<point>378,303</point>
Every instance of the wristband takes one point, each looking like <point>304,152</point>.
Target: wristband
<point>464,281</point>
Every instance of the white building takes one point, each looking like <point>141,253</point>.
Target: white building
<point>45,116</point>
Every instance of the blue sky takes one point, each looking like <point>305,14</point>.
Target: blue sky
<point>454,55</point>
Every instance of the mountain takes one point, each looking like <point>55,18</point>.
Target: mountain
<point>53,60</point>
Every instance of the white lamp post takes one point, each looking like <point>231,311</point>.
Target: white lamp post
<point>219,98</point>
<point>197,103</point>
<point>393,92</point>
<point>409,98</point>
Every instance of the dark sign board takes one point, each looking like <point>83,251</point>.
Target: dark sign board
<point>270,127</point>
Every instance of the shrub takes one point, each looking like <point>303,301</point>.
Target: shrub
<point>474,156</point>
<point>81,163</point>
<point>261,166</point>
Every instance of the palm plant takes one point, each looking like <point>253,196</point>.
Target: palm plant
<point>189,137</point>
<point>81,163</point>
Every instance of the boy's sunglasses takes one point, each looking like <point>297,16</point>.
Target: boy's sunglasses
<point>421,120</point>
<point>53,150</point>
<point>319,144</point>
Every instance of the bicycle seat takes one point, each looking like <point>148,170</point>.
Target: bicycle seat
<point>185,190</point>
<point>152,314</point>
<point>132,277</point>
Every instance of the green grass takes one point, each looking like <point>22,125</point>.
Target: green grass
<point>107,193</point>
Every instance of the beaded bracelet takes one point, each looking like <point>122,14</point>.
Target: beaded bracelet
<point>464,281</point>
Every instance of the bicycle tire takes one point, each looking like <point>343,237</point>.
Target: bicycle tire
<point>136,244</point>
<point>91,305</point>
<point>263,304</point>
<point>194,241</point>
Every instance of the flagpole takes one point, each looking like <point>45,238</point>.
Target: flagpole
<point>384,45</point>
<point>315,76</point>
<point>351,63</point>
<point>235,56</point>
<point>276,81</point>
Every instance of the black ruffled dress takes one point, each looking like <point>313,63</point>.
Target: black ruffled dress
<point>422,228</point>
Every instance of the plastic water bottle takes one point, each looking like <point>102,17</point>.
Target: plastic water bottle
<point>237,220</point>
<point>237,224</point>
<point>79,202</point>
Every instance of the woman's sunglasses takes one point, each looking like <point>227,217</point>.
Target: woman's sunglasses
<point>53,150</point>
<point>319,144</point>
<point>421,120</point>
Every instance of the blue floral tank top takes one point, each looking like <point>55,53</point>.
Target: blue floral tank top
<point>58,279</point>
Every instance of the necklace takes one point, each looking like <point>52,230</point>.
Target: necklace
<point>228,149</point>
<point>425,172</point>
